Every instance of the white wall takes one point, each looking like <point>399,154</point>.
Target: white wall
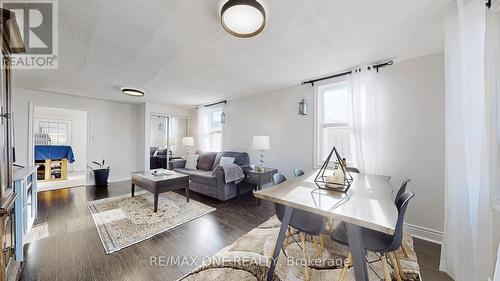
<point>411,112</point>
<point>78,137</point>
<point>273,114</point>
<point>113,129</point>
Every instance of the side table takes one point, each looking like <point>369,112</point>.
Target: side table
<point>257,179</point>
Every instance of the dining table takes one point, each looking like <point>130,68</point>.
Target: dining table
<point>367,203</point>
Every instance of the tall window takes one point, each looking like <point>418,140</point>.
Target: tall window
<point>59,131</point>
<point>215,132</point>
<point>333,120</point>
<point>210,129</point>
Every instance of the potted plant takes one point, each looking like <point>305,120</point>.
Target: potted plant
<point>101,174</point>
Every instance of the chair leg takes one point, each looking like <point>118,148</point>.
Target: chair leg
<point>287,235</point>
<point>398,263</point>
<point>385,268</point>
<point>394,264</point>
<point>346,266</point>
<point>404,250</point>
<point>304,251</point>
<point>318,246</point>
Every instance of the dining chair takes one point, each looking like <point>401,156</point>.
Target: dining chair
<point>379,242</point>
<point>305,223</point>
<point>353,170</point>
<point>400,192</point>
<point>298,172</point>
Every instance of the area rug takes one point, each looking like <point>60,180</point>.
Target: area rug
<point>123,220</point>
<point>248,258</point>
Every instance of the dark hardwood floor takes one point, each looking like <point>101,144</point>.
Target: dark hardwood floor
<point>69,247</point>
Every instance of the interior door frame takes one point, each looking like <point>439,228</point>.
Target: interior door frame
<point>31,145</point>
<point>168,116</point>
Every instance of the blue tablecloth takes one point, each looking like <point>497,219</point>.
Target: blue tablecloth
<point>54,152</point>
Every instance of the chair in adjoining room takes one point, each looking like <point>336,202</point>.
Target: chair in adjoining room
<point>303,222</point>
<point>379,242</point>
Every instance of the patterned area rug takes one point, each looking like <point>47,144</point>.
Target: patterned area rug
<point>247,259</point>
<point>124,220</point>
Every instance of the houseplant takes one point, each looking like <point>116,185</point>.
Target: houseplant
<point>101,174</point>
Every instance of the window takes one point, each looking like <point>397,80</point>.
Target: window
<point>215,132</point>
<point>59,131</point>
<point>333,120</point>
<point>210,129</point>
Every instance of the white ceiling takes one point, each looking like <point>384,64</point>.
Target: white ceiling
<point>179,54</point>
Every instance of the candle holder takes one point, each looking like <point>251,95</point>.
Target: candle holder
<point>326,182</point>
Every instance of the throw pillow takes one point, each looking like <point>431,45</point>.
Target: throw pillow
<point>191,162</point>
<point>224,161</point>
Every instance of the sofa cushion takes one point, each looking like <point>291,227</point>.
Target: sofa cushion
<point>152,150</point>
<point>206,160</point>
<point>200,176</point>
<point>240,158</point>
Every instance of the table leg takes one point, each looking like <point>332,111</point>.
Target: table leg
<point>356,246</point>
<point>156,203</point>
<point>133,189</point>
<point>187,193</point>
<point>279,241</point>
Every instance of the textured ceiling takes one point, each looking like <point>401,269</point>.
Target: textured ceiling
<point>179,54</point>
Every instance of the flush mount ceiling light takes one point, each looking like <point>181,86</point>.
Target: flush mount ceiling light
<point>133,92</point>
<point>243,18</point>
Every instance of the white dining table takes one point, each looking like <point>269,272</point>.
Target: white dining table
<point>367,203</point>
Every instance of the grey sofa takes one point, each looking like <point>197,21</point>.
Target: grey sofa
<point>208,178</point>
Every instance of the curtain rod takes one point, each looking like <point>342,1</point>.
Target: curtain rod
<point>215,103</point>
<point>375,66</point>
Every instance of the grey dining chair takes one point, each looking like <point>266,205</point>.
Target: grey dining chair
<point>298,172</point>
<point>379,242</point>
<point>401,190</point>
<point>302,221</point>
<point>353,170</point>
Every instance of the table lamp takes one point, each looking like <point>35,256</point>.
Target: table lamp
<point>187,142</point>
<point>261,143</point>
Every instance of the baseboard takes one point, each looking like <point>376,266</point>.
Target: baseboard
<point>116,179</point>
<point>424,233</point>
<point>113,179</point>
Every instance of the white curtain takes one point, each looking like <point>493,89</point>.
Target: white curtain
<point>364,120</point>
<point>492,62</point>
<point>467,249</point>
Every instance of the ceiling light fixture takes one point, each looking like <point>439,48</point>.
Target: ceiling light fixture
<point>133,92</point>
<point>243,18</point>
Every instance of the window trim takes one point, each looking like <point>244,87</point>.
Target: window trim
<point>318,142</point>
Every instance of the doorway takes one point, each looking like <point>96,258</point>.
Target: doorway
<point>60,147</point>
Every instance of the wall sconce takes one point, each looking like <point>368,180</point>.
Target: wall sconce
<point>303,107</point>
<point>223,118</point>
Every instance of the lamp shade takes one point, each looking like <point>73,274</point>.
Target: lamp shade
<point>187,141</point>
<point>261,143</point>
